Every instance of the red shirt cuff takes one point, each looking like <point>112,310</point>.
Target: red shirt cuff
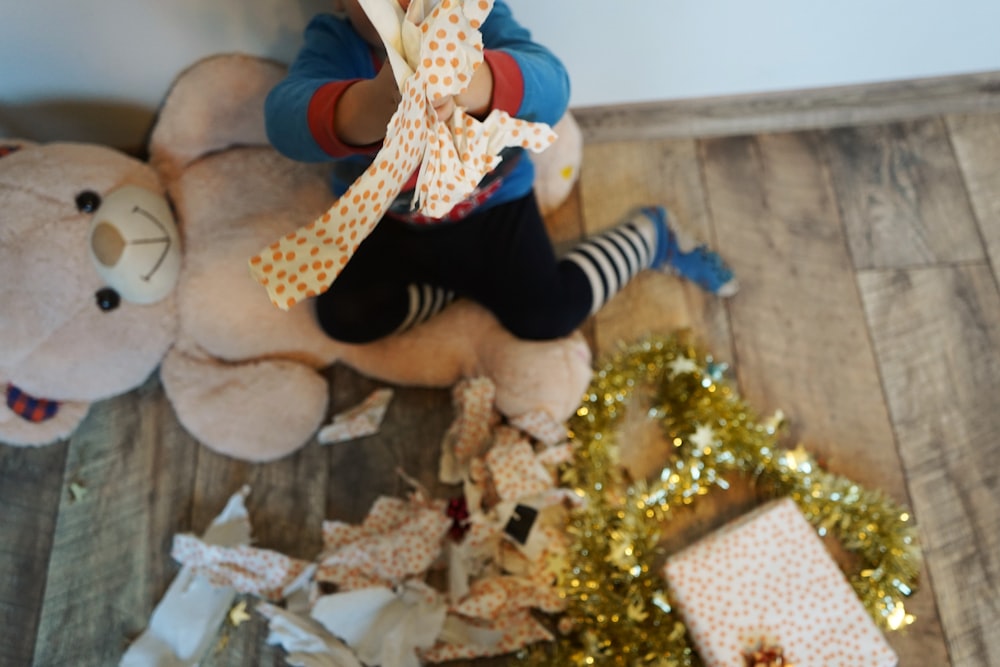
<point>320,118</point>
<point>508,82</point>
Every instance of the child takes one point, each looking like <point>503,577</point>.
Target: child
<point>334,105</point>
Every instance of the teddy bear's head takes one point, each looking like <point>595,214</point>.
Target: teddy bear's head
<point>89,256</point>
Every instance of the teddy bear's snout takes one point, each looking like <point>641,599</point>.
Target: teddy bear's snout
<point>135,245</point>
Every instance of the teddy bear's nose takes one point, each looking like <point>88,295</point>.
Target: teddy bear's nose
<point>135,245</point>
<point>108,244</point>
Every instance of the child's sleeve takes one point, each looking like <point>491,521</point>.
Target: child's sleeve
<point>529,82</point>
<point>298,112</point>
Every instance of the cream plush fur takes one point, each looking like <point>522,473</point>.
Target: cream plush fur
<point>240,374</point>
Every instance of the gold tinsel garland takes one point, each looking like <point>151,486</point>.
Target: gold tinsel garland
<point>618,609</point>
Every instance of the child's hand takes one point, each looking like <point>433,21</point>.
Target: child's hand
<point>364,110</point>
<point>444,107</point>
<point>385,85</point>
<point>476,99</point>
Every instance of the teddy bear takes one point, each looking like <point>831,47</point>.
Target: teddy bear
<point>113,267</point>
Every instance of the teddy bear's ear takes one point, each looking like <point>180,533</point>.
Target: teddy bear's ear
<point>216,103</point>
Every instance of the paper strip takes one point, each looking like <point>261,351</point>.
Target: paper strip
<point>267,574</point>
<point>361,420</point>
<point>470,432</point>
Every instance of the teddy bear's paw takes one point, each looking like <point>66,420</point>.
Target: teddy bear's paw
<point>23,422</point>
<point>547,377</point>
<point>256,411</point>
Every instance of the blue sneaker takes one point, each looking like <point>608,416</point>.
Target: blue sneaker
<point>680,256</point>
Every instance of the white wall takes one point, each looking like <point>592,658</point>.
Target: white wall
<point>97,70</point>
<point>643,50</point>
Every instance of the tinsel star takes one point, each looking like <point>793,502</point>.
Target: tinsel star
<point>703,437</point>
<point>682,365</point>
<point>621,552</point>
<point>238,614</point>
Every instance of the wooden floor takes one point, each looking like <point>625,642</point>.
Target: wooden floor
<point>870,314</point>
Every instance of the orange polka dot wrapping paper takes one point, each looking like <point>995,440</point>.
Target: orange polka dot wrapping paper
<point>768,578</point>
<point>434,48</point>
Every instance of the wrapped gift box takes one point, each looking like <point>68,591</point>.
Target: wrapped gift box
<point>768,578</point>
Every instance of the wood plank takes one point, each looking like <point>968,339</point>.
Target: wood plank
<point>902,195</point>
<point>788,110</point>
<point>31,483</point>
<point>977,143</point>
<point>409,441</point>
<point>615,178</point>
<point>937,335</point>
<point>110,558</point>
<point>798,324</point>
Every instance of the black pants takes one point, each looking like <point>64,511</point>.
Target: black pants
<point>501,258</point>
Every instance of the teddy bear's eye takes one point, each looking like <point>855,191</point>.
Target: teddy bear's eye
<point>88,201</point>
<point>107,299</point>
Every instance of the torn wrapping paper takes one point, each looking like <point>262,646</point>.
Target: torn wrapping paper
<point>470,432</point>
<point>767,577</point>
<point>494,597</point>
<point>186,620</point>
<point>433,48</point>
<point>261,572</point>
<point>399,539</point>
<point>541,426</point>
<point>514,467</point>
<point>361,420</point>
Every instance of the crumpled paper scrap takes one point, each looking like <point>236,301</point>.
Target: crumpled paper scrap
<point>434,48</point>
<point>361,420</point>
<point>384,626</point>
<point>492,597</point>
<point>516,630</point>
<point>399,539</point>
<point>185,622</point>
<point>261,572</point>
<point>397,627</point>
<point>305,641</point>
<point>541,426</point>
<point>515,468</point>
<point>469,434</point>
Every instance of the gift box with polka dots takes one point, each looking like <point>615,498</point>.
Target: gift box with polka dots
<point>768,580</point>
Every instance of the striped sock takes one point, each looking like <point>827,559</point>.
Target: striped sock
<point>611,259</point>
<point>425,301</point>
